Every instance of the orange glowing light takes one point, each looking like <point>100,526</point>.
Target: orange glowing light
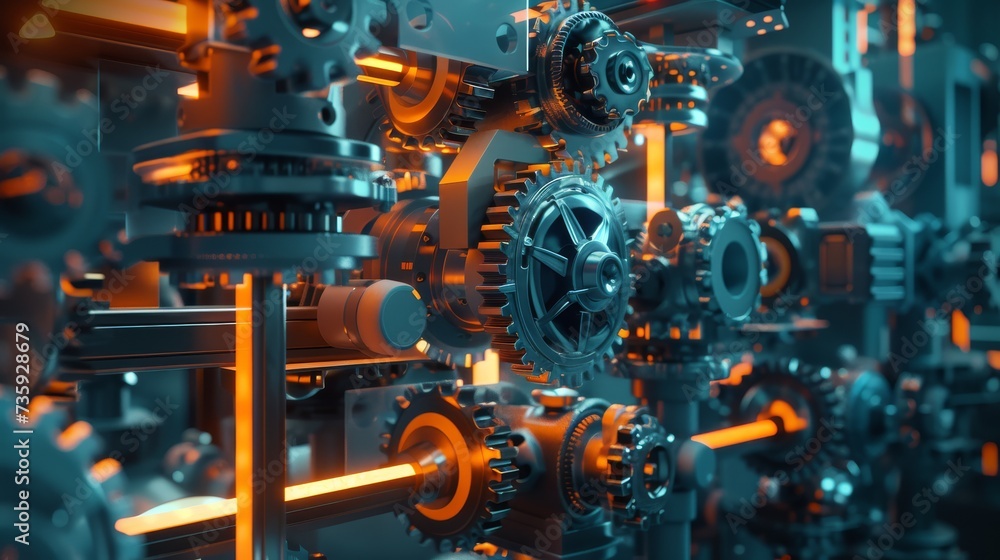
<point>991,458</point>
<point>384,66</point>
<point>30,182</point>
<point>105,469</point>
<point>773,141</point>
<point>142,524</point>
<point>244,427</point>
<point>154,14</point>
<point>737,373</point>
<point>906,27</point>
<point>190,91</point>
<point>486,371</point>
<point>862,22</point>
<point>993,357</point>
<point>960,331</point>
<point>989,163</point>
<point>735,435</point>
<point>764,427</point>
<point>73,435</point>
<point>656,167</point>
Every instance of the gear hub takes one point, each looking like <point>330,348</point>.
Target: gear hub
<point>478,463</point>
<point>555,275</point>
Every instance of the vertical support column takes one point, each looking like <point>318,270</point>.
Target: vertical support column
<point>261,454</point>
<point>677,410</point>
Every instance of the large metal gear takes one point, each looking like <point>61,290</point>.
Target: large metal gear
<point>74,503</point>
<point>479,463</point>
<point>555,274</point>
<point>813,393</point>
<point>589,81</point>
<point>435,113</point>
<point>306,44</point>
<point>639,470</point>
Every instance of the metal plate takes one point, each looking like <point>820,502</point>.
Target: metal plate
<point>492,34</point>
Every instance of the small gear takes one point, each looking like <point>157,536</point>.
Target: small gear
<point>617,72</point>
<point>814,394</point>
<point>555,274</point>
<point>74,501</point>
<point>568,102</point>
<point>639,470</point>
<point>306,44</point>
<point>437,113</point>
<point>479,460</point>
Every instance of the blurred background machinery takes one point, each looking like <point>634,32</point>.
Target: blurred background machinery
<point>672,279</point>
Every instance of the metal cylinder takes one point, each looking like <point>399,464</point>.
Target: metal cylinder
<point>378,317</point>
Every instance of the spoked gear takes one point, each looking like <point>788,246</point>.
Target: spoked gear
<point>438,112</point>
<point>556,281</point>
<point>479,463</point>
<point>74,502</point>
<point>590,80</point>
<point>306,44</point>
<point>813,394</point>
<point>639,471</point>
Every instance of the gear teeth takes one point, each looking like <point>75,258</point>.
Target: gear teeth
<point>450,133</point>
<point>282,53</point>
<point>824,402</point>
<point>491,438</point>
<point>499,290</point>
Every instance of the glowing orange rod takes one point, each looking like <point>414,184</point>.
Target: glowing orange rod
<point>766,426</point>
<point>143,524</point>
<point>387,67</point>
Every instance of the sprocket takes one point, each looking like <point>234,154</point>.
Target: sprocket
<point>564,102</point>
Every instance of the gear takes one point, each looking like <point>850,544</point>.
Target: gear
<point>555,274</point>
<point>437,113</point>
<point>614,67</point>
<point>51,203</point>
<point>570,102</point>
<point>699,261</point>
<point>814,394</point>
<point>639,470</point>
<point>74,502</point>
<point>789,133</point>
<point>479,460</point>
<point>306,44</point>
